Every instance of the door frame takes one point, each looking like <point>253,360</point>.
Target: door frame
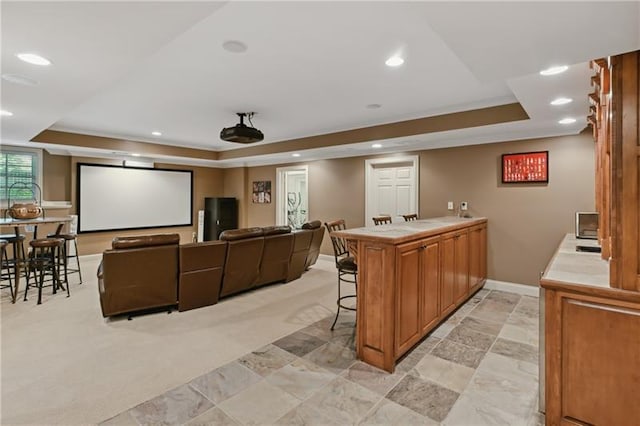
<point>368,177</point>
<point>281,216</point>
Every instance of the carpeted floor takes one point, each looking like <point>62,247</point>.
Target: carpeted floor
<point>62,363</point>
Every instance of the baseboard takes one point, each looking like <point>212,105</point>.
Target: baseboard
<point>526,290</point>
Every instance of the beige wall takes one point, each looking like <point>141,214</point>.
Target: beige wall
<point>526,222</point>
<point>56,179</point>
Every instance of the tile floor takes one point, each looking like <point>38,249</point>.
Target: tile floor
<point>478,368</point>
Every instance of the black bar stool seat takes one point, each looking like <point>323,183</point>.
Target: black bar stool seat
<point>45,257</point>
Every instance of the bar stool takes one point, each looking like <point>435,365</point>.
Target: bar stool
<point>17,244</point>
<point>381,220</point>
<point>410,217</point>
<point>45,256</point>
<point>65,254</point>
<point>345,264</point>
<point>4,264</point>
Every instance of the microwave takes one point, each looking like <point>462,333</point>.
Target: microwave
<point>587,225</point>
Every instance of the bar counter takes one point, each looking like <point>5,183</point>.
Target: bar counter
<point>411,276</point>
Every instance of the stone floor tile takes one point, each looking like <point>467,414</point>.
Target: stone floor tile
<point>416,354</point>
<point>266,360</point>
<point>372,378</point>
<point>520,334</point>
<point>343,401</point>
<point>122,419</point>
<point>300,378</point>
<point>225,381</point>
<point>213,417</point>
<point>481,325</point>
<point>442,330</point>
<point>299,343</point>
<point>524,321</point>
<point>503,297</point>
<point>529,307</point>
<point>458,353</point>
<point>536,419</point>
<point>333,357</point>
<point>176,406</point>
<point>261,403</point>
<point>470,337</point>
<point>505,384</point>
<point>517,350</point>
<point>424,397</point>
<point>387,412</point>
<point>305,415</point>
<point>491,311</point>
<point>446,373</point>
<point>468,411</point>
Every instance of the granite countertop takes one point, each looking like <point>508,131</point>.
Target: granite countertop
<point>395,233</point>
<point>573,267</point>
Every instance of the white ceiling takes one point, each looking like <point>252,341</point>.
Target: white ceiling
<point>125,69</point>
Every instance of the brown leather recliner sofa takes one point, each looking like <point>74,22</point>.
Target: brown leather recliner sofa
<point>154,271</point>
<point>139,273</point>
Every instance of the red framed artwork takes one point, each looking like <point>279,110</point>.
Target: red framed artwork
<point>525,167</point>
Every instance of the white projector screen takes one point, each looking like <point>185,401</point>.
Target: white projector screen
<point>114,198</point>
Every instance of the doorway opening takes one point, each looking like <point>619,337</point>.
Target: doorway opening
<point>292,201</point>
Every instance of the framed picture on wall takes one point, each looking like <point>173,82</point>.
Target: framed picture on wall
<point>525,167</point>
<point>261,192</point>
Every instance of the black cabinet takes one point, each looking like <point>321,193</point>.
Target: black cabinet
<point>220,214</point>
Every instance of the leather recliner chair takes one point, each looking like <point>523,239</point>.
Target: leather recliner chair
<point>244,253</point>
<point>316,241</point>
<point>139,273</point>
<point>278,245</point>
<point>201,268</point>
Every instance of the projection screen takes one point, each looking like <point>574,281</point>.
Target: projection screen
<point>111,198</point>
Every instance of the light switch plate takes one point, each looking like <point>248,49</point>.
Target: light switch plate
<point>450,205</point>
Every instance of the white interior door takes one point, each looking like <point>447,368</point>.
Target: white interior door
<point>392,188</point>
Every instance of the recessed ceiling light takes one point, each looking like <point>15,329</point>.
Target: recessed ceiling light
<point>156,133</point>
<point>567,120</point>
<point>295,155</point>
<point>373,106</point>
<point>394,61</point>
<point>34,59</point>
<point>19,79</point>
<point>554,70</point>
<point>234,46</point>
<point>5,113</point>
<point>135,154</point>
<point>376,145</point>
<point>561,101</point>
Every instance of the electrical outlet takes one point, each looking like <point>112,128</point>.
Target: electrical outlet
<point>463,205</point>
<point>450,205</point>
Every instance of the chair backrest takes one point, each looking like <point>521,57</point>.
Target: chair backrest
<point>276,255</point>
<point>339,244</point>
<point>381,220</point>
<point>410,217</point>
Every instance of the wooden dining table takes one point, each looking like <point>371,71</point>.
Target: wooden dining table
<point>16,224</point>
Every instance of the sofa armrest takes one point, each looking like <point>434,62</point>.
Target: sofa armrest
<point>100,274</point>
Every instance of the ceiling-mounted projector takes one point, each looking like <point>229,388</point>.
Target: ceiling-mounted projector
<point>241,133</point>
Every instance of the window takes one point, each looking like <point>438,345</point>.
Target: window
<point>20,165</point>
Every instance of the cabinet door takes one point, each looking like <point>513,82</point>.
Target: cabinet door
<point>477,257</point>
<point>408,330</point>
<point>447,255</point>
<point>462,267</point>
<point>474,257</point>
<point>430,297</point>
